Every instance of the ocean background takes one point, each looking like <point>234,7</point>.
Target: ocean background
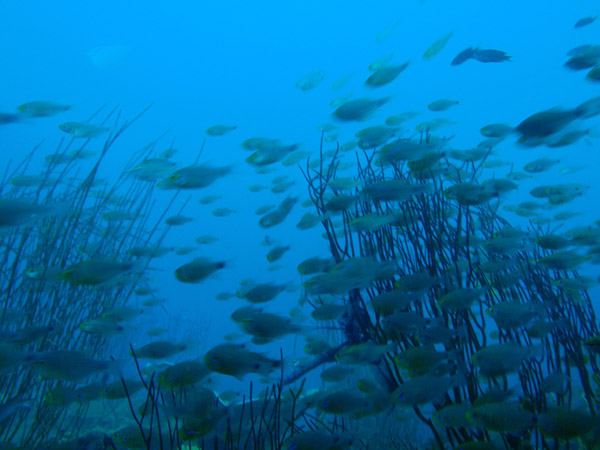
<point>237,63</point>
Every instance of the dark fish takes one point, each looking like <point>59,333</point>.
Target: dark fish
<point>488,56</point>
<point>463,56</point>
<point>584,22</point>
<point>579,49</point>
<point>9,118</point>
<point>545,123</point>
<point>585,58</point>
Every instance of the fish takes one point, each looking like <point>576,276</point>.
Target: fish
<point>236,360</point>
<point>183,374</point>
<point>82,130</point>
<point>490,56</point>
<point>158,350</point>
<point>310,80</point>
<point>278,215</point>
<point>358,110</point>
<point>463,56</point>
<point>41,108</point>
<point>194,177</point>
<point>178,220</point>
<point>93,272</point>
<point>198,270</point>
<point>585,21</point>
<point>384,75</point>
<point>437,46</point>
<point>220,130</point>
<point>70,366</point>
<point>442,104</point>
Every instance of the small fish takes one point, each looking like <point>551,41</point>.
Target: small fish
<point>220,130</point>
<point>336,373</point>
<point>463,56</point>
<point>358,110</point>
<point>561,422</point>
<point>261,210</point>
<point>496,130</point>
<point>341,81</point>
<point>385,75</point>
<point>237,361</point>
<point>183,374</point>
<point>94,272</point>
<point>194,177</point>
<point>198,270</point>
<point>442,104</point>
<point>507,417</point>
<point>178,220</point>
<point>6,118</point>
<point>310,80</point>
<point>152,169</point>
<point>69,366</point>
<point>437,46</point>
<point>490,56</point>
<point>277,252</point>
<point>309,220</point>
<point>540,165</point>
<point>261,293</point>
<point>41,108</point>
<point>328,311</point>
<point>223,212</point>
<point>222,296</point>
<point>82,130</point>
<point>278,215</point>
<point>206,239</point>
<point>501,359</point>
<point>208,199</point>
<point>159,350</point>
<point>585,21</point>
<point>185,250</point>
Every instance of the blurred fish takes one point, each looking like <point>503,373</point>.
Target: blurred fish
<point>6,118</point>
<point>194,177</point>
<point>561,422</point>
<point>437,46</point>
<point>463,56</point>
<point>490,56</point>
<point>497,130</point>
<point>183,374</point>
<point>41,108</point>
<point>98,271</point>
<point>507,417</point>
<point>70,366</point>
<point>197,270</point>
<point>442,104</point>
<point>237,361</point>
<point>585,21</point>
<point>178,220</point>
<point>358,110</point>
<point>382,76</point>
<point>82,130</point>
<point>277,216</point>
<point>220,130</point>
<point>152,169</point>
<point>159,350</point>
<point>310,80</point>
<point>17,212</point>
<point>502,359</point>
<point>277,252</point>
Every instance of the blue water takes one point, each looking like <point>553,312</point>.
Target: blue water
<point>237,62</point>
